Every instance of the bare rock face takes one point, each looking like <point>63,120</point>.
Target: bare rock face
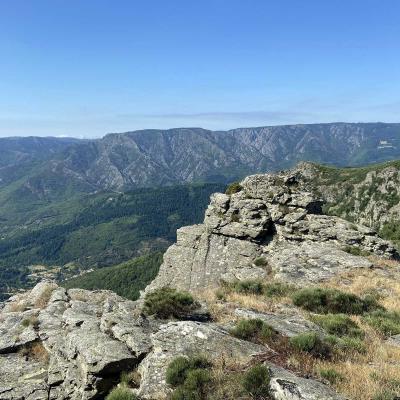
<point>273,225</point>
<point>287,386</point>
<point>72,347</point>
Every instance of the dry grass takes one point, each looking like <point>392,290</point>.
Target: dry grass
<point>373,374</point>
<point>223,310</point>
<point>376,373</point>
<point>35,351</point>
<point>18,306</point>
<point>384,281</point>
<point>43,299</point>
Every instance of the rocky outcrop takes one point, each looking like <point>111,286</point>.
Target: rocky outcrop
<point>273,226</point>
<point>75,345</point>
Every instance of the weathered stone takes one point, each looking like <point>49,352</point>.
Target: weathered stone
<point>188,338</point>
<point>286,324</point>
<point>274,216</point>
<point>287,386</point>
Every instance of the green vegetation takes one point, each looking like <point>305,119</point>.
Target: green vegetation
<point>385,322</point>
<point>331,375</point>
<point>189,376</point>
<point>391,231</point>
<point>313,344</point>
<point>254,330</point>
<point>121,393</point>
<point>277,289</point>
<point>338,324</point>
<point>260,262</point>
<point>234,187</point>
<point>248,286</point>
<point>324,301</point>
<point>94,230</point>
<point>126,279</point>
<point>257,287</point>
<point>356,251</point>
<point>168,303</point>
<point>256,382</point>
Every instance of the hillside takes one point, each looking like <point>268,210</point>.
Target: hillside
<point>95,231</point>
<point>369,195</point>
<point>268,298</point>
<point>149,158</point>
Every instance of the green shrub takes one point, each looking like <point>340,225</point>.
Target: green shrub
<point>311,343</point>
<point>338,324</point>
<point>121,393</point>
<point>179,368</point>
<point>277,289</point>
<point>234,187</point>
<point>260,262</point>
<point>182,393</point>
<point>249,286</point>
<point>129,379</point>
<point>253,330</point>
<point>324,301</point>
<point>167,303</point>
<point>256,381</point>
<point>356,251</point>
<point>351,344</point>
<point>386,322</point>
<point>196,380</point>
<point>331,375</point>
<point>189,376</point>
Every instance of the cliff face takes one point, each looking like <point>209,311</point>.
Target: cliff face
<point>273,226</point>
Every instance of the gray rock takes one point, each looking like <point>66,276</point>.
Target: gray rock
<point>286,324</point>
<point>287,386</point>
<point>187,338</point>
<point>275,217</point>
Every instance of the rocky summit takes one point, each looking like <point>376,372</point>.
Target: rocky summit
<point>270,226</point>
<point>74,344</point>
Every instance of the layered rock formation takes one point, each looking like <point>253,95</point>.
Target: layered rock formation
<point>273,226</point>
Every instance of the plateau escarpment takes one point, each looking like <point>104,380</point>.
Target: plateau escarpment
<point>258,248</point>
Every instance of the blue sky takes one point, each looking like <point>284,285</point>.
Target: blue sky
<point>89,67</point>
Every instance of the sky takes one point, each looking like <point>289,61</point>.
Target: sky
<point>90,67</point>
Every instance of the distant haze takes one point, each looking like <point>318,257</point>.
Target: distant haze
<point>84,69</point>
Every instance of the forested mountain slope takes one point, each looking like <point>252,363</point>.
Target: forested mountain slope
<point>98,230</point>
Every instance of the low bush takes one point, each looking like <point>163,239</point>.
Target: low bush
<point>324,301</point>
<point>256,382</point>
<point>189,376</point>
<point>121,393</point>
<point>385,322</point>
<point>234,187</point>
<point>249,286</point>
<point>260,262</point>
<point>331,375</point>
<point>277,289</point>
<point>338,324</point>
<point>356,251</point>
<point>254,330</point>
<point>311,343</point>
<point>168,303</point>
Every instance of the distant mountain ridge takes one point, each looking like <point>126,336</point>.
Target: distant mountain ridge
<point>148,158</point>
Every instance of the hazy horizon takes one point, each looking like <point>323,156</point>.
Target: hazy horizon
<point>85,69</point>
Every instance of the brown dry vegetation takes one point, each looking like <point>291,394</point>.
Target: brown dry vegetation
<point>35,351</point>
<point>370,375</point>
<point>43,300</point>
